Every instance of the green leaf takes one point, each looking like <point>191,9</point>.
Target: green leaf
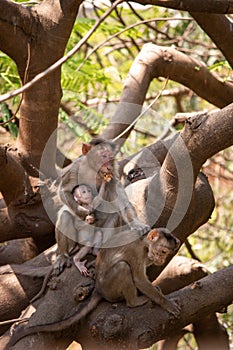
<point>5,116</point>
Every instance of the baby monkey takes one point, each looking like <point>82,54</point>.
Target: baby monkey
<point>83,195</point>
<point>86,203</point>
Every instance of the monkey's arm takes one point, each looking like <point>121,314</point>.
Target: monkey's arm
<point>128,212</point>
<point>81,211</point>
<point>83,251</point>
<point>144,285</point>
<point>99,198</point>
<point>69,181</point>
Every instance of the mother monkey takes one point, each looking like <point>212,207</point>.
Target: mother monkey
<point>112,208</point>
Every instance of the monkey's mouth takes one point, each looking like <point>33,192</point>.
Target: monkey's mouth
<point>157,259</point>
<point>108,176</point>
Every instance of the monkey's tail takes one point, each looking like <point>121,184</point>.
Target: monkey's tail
<point>57,326</point>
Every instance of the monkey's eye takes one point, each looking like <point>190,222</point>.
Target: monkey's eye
<point>165,251</point>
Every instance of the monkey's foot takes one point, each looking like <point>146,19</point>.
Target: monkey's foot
<point>141,300</point>
<point>141,228</point>
<point>60,264</point>
<point>173,307</point>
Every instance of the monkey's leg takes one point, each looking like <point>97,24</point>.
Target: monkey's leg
<point>65,233</point>
<point>100,196</point>
<point>65,244</point>
<point>81,264</point>
<point>121,271</point>
<point>97,241</point>
<point>62,261</point>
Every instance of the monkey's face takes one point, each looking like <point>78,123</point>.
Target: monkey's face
<point>161,244</point>
<point>157,254</point>
<point>83,194</point>
<point>103,157</point>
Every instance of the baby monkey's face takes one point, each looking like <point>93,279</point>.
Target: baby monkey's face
<point>83,194</point>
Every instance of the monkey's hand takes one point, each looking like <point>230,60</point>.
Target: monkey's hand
<point>140,227</point>
<point>90,219</point>
<point>172,307</point>
<point>82,212</point>
<point>82,268</point>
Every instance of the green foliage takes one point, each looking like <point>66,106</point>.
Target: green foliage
<point>6,115</point>
<point>9,78</point>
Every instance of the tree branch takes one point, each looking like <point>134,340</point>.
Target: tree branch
<point>218,125</point>
<point>155,61</point>
<point>141,327</point>
<point>178,205</point>
<point>25,214</point>
<point>208,6</point>
<point>15,26</point>
<point>151,329</point>
<point>46,21</point>
<point>169,280</point>
<point>17,251</point>
<point>221,37</point>
<point>172,186</point>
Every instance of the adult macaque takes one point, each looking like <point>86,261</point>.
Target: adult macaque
<point>120,274</point>
<point>112,207</point>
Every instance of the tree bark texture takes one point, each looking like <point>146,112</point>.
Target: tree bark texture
<point>215,6</point>
<point>37,36</point>
<point>221,37</point>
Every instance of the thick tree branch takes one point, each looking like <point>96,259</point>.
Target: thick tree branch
<point>221,37</point>
<point>169,281</point>
<point>14,182</point>
<point>176,205</point>
<point>218,124</point>
<point>7,228</point>
<point>208,6</point>
<point>168,196</point>
<point>155,61</point>
<point>15,26</point>
<point>17,251</point>
<point>25,214</point>
<point>140,327</point>
<point>150,329</point>
<point>42,38</point>
<point>24,286</point>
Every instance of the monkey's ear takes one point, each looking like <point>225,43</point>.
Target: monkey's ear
<point>85,148</point>
<point>153,234</point>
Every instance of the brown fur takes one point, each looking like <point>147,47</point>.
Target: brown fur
<point>97,164</point>
<point>120,273</point>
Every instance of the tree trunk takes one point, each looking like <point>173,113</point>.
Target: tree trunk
<point>38,36</point>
